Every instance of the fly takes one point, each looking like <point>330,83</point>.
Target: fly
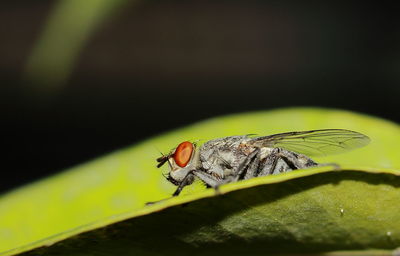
<point>235,158</point>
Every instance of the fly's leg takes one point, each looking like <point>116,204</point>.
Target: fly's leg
<point>186,181</point>
<point>254,166</point>
<point>269,164</point>
<point>216,164</point>
<point>295,161</point>
<point>210,180</point>
<point>249,167</point>
<point>334,165</point>
<point>292,160</point>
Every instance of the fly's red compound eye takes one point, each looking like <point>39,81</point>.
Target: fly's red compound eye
<point>183,153</point>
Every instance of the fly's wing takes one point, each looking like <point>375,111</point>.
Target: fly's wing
<point>315,142</point>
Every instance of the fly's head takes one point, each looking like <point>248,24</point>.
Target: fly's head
<point>181,161</point>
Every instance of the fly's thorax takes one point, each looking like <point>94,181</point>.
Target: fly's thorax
<point>179,173</point>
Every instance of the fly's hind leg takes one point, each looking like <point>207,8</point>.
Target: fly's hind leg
<point>281,160</point>
<point>294,160</point>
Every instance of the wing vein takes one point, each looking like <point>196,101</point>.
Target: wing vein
<point>315,142</point>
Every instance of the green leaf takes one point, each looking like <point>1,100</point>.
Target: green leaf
<point>99,208</point>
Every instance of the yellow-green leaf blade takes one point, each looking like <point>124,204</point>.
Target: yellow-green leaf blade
<point>116,186</point>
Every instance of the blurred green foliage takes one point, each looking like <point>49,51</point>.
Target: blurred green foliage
<point>66,31</point>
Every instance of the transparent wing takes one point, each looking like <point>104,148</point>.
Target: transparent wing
<point>315,142</point>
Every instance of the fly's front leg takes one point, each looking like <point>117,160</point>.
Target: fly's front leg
<point>187,180</point>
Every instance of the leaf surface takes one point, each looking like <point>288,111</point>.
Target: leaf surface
<point>98,208</point>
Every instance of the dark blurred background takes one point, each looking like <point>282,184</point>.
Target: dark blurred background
<point>79,83</point>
